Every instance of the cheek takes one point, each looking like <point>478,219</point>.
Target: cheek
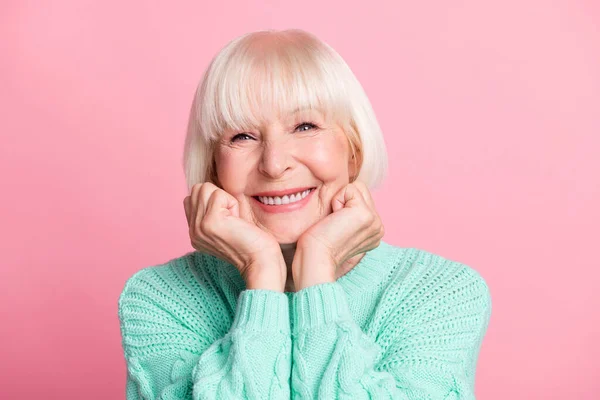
<point>326,159</point>
<point>232,172</point>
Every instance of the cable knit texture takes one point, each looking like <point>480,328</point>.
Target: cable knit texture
<point>404,323</point>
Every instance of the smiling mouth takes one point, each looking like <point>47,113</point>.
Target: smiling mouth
<point>283,200</point>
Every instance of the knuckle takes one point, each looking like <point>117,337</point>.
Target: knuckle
<point>366,219</point>
<point>207,191</point>
<point>207,227</point>
<point>208,186</point>
<point>195,231</point>
<point>203,228</point>
<point>197,186</point>
<point>203,189</point>
<point>217,193</point>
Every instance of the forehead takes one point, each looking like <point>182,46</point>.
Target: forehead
<point>303,111</point>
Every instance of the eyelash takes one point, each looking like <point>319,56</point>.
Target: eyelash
<point>234,139</point>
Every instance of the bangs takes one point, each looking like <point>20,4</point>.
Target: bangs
<point>255,83</point>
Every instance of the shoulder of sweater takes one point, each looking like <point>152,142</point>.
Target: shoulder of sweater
<point>188,290</point>
<point>431,303</point>
<point>417,268</point>
<point>424,285</point>
<point>152,275</point>
<point>194,265</point>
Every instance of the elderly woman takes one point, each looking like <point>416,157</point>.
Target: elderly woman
<point>292,293</point>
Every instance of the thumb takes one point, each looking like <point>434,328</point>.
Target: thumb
<point>224,204</point>
<point>347,197</point>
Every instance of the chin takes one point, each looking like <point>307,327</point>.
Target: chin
<point>285,235</point>
<point>287,238</point>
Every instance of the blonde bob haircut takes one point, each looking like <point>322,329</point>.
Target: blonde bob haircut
<point>280,71</point>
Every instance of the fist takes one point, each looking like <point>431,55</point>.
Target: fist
<point>216,228</point>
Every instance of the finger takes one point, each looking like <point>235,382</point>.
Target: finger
<point>193,205</point>
<point>380,231</point>
<point>223,203</point>
<point>200,195</point>
<point>348,196</point>
<point>245,210</point>
<point>186,207</point>
<point>204,195</point>
<point>366,193</point>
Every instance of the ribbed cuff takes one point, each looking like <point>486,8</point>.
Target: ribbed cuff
<point>319,304</point>
<point>263,310</point>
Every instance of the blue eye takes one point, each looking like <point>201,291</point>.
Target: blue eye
<point>307,124</point>
<point>233,139</point>
<point>241,135</point>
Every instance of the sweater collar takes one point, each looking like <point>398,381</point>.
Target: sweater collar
<point>368,273</point>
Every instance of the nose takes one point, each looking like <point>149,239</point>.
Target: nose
<point>275,158</point>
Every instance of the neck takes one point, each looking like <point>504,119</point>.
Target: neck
<point>289,249</point>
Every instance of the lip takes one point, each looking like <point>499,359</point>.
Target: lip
<point>284,207</point>
<point>281,193</point>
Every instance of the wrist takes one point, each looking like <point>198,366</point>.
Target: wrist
<point>267,273</point>
<point>311,268</point>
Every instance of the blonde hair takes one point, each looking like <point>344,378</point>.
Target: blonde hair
<point>278,71</point>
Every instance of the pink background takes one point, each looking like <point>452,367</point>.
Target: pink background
<point>491,113</point>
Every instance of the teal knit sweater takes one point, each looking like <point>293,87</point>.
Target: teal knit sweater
<point>402,324</point>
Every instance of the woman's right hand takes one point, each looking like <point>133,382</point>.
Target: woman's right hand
<point>215,227</point>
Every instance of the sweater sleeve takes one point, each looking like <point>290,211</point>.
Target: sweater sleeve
<point>169,358</point>
<point>432,356</point>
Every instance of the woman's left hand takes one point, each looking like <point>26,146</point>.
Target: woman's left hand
<point>354,227</point>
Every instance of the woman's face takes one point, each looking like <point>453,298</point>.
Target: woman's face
<point>294,152</point>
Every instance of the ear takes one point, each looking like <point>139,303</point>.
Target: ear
<point>354,158</point>
<point>352,167</point>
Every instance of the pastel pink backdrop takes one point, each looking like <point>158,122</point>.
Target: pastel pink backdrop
<point>490,111</point>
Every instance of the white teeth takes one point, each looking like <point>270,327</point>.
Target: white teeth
<point>287,199</point>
